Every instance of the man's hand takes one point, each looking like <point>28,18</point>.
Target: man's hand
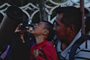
<point>42,54</point>
<point>38,53</point>
<point>35,53</point>
<point>17,29</point>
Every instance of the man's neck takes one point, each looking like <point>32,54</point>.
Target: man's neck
<point>63,46</point>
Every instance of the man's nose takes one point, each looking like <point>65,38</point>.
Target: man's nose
<point>54,28</point>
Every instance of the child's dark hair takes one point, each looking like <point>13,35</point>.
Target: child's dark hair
<point>49,27</point>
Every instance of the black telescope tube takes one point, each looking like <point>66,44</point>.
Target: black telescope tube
<point>13,16</point>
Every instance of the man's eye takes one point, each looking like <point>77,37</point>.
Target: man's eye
<point>57,24</point>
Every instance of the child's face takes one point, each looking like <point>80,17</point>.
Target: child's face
<point>38,29</point>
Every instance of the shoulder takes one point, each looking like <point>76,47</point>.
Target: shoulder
<point>83,51</point>
<point>85,45</point>
<point>49,43</point>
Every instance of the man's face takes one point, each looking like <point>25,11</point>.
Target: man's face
<point>38,29</point>
<point>60,29</point>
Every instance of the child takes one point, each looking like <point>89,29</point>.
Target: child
<point>43,49</point>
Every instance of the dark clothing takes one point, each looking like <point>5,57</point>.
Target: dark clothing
<point>18,49</point>
<point>88,36</point>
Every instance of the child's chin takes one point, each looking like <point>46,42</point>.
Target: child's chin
<point>32,32</point>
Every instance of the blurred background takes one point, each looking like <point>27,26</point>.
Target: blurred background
<point>38,10</point>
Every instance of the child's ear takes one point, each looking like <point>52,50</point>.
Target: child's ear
<point>45,32</point>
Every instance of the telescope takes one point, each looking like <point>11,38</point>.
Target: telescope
<point>13,16</point>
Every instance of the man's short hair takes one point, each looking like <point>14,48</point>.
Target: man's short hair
<point>71,15</point>
<point>49,27</point>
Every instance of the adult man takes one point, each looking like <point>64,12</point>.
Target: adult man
<point>67,27</point>
<point>43,49</point>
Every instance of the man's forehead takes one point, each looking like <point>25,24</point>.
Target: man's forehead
<point>60,14</point>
